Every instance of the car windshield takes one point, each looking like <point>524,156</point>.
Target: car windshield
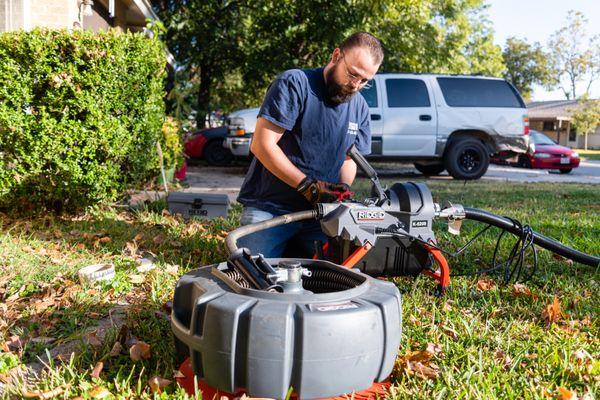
<point>541,139</point>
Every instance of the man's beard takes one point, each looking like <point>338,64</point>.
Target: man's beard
<point>336,93</point>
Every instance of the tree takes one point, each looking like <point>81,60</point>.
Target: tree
<point>574,55</point>
<point>438,36</point>
<point>586,118</point>
<point>286,34</point>
<point>234,49</point>
<point>204,37</point>
<point>526,65</point>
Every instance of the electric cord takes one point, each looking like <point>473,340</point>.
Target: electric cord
<point>512,269</point>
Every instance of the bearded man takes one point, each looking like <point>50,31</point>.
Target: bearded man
<point>306,124</point>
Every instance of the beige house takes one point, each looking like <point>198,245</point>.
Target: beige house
<point>87,14</point>
<point>127,15</point>
<point>554,119</point>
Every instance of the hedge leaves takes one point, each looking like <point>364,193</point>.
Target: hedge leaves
<point>80,114</point>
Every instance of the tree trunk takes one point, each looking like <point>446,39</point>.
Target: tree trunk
<point>585,141</point>
<point>203,106</point>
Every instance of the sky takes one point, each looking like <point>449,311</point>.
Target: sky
<point>535,21</point>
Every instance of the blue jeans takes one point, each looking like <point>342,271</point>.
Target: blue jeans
<point>290,240</point>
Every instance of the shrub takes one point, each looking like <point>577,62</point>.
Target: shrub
<point>80,114</point>
<point>171,144</point>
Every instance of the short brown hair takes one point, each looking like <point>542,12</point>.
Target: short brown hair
<point>366,40</point>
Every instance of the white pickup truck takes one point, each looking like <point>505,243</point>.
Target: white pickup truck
<point>439,122</point>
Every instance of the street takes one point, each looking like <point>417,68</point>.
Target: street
<point>229,179</point>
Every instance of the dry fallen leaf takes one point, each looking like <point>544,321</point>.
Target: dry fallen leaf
<point>137,279</point>
<point>485,284</point>
<point>552,312</point>
<point>450,332</point>
<point>415,321</point>
<point>521,290</point>
<point>581,357</point>
<point>139,351</point>
<point>138,237</point>
<point>92,339</point>
<point>430,371</point>
<point>178,374</point>
<point>172,269</point>
<point>157,384</point>
<point>97,369</point>
<point>565,394</point>
<point>43,395</point>
<point>99,392</point>
<point>434,349</point>
<point>105,239</point>
<point>503,358</point>
<point>116,349</point>
<point>14,343</point>
<point>158,239</point>
<point>419,363</point>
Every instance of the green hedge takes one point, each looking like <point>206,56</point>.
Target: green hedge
<point>80,114</point>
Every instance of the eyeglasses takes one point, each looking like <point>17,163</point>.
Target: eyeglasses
<point>351,77</point>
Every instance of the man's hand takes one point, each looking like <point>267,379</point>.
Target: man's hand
<point>322,192</point>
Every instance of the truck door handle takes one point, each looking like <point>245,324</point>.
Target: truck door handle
<point>375,117</point>
<point>425,117</point>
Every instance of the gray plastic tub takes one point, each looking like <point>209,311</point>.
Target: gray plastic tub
<point>321,344</point>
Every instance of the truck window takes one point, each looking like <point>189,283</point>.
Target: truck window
<point>472,92</point>
<point>407,93</point>
<point>369,92</point>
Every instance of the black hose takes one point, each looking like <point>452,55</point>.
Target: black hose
<point>539,239</point>
<point>233,236</point>
<point>328,280</point>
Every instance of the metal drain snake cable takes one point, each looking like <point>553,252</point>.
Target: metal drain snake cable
<point>233,236</point>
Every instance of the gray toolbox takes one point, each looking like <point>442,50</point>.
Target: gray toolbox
<point>198,205</point>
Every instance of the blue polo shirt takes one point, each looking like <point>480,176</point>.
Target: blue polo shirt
<point>316,138</point>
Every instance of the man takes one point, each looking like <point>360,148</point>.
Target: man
<point>307,122</point>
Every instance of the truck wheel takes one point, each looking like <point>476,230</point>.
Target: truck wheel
<point>430,169</point>
<point>217,155</point>
<point>467,159</point>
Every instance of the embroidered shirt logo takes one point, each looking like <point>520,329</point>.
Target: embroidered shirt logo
<point>352,128</point>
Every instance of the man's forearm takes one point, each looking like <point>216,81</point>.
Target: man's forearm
<point>275,160</point>
<point>348,172</point>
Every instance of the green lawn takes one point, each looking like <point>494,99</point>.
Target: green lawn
<point>589,154</point>
<point>487,343</point>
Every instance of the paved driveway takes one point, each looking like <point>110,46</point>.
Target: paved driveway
<point>229,179</point>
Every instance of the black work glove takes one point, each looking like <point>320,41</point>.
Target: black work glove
<point>318,191</point>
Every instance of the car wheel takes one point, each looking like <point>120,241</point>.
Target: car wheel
<point>524,161</point>
<point>430,169</point>
<point>467,159</point>
<point>566,170</point>
<point>216,154</point>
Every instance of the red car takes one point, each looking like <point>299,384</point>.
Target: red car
<point>544,153</point>
<point>208,144</point>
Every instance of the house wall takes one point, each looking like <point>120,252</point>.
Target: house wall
<point>11,15</point>
<point>593,140</point>
<point>54,14</point>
